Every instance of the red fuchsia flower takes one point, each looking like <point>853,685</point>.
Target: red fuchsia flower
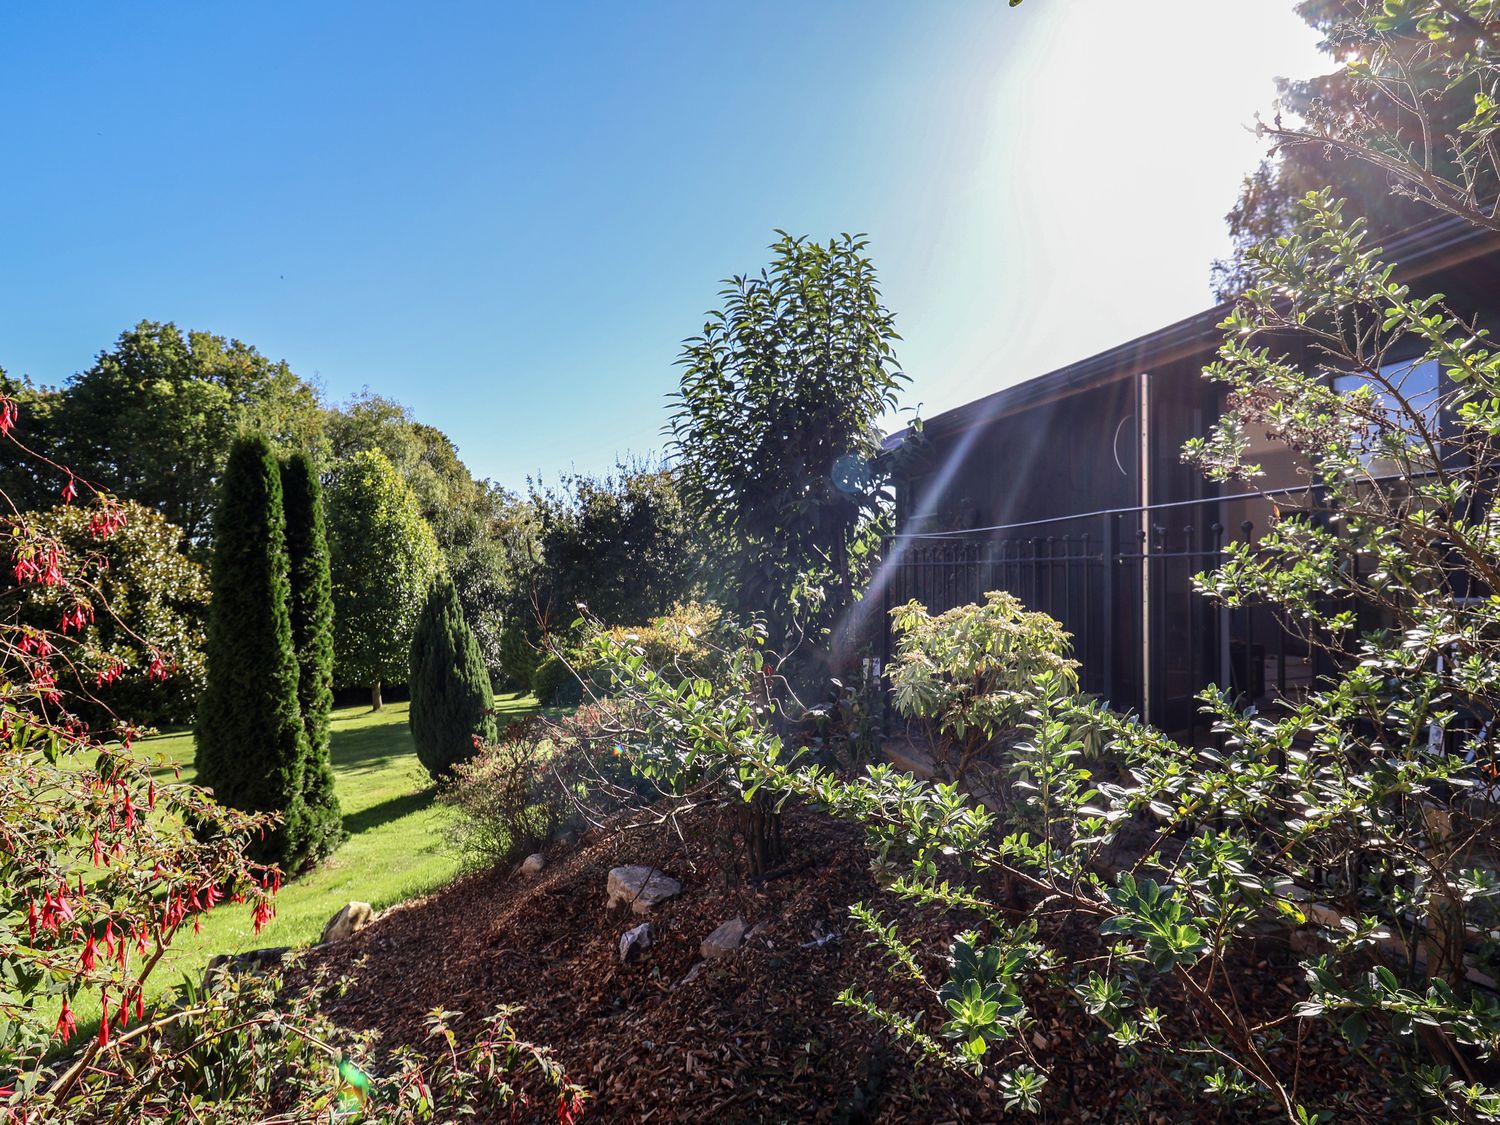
<point>104,1018</point>
<point>107,521</point>
<point>569,1106</point>
<point>8,415</point>
<point>96,850</point>
<point>32,917</point>
<point>38,562</point>
<point>35,644</point>
<point>109,673</point>
<point>86,960</point>
<point>158,669</point>
<point>151,795</point>
<point>67,1026</point>
<point>44,683</point>
<point>262,914</point>
<point>77,617</point>
<point>69,490</point>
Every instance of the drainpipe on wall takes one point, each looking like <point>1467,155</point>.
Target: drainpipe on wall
<point>1143,458</point>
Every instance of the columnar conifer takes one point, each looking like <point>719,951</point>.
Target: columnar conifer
<point>251,744</point>
<point>451,700</point>
<point>312,640</point>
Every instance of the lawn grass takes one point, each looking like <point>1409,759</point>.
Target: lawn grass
<point>395,850</point>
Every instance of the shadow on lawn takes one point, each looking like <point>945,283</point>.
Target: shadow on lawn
<point>385,812</point>
<point>368,747</point>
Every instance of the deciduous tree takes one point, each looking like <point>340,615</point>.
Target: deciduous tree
<point>384,560</point>
<point>156,414</point>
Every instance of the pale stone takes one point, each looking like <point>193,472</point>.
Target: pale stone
<point>723,941</point>
<point>532,865</point>
<point>350,919</point>
<point>640,888</point>
<point>635,942</point>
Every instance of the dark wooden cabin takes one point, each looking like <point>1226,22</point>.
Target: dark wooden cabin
<point>1069,490</point>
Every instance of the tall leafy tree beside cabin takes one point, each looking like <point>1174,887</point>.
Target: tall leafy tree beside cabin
<point>777,432</point>
<point>251,746</point>
<point>384,560</point>
<point>312,639</point>
<point>451,699</point>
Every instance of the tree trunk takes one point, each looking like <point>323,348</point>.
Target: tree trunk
<point>375,701</point>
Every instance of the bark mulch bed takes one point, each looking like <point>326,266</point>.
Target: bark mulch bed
<point>755,1037</point>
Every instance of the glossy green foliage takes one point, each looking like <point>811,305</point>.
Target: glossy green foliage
<point>776,428</point>
<point>384,561</point>
<point>251,744</point>
<point>148,623</point>
<point>451,700</point>
<point>311,609</point>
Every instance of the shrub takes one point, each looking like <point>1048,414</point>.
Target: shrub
<point>153,602</point>
<point>967,676</point>
<point>312,639</point>
<point>676,643</point>
<point>451,703</point>
<point>518,658</point>
<point>508,799</point>
<point>554,684</point>
<point>251,746</point>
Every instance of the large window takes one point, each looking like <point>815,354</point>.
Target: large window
<point>1412,383</point>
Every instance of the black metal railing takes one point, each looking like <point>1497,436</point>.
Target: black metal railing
<point>1121,582</point>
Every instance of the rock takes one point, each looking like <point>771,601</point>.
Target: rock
<point>690,976</point>
<point>532,865</point>
<point>641,888</point>
<point>350,919</point>
<point>723,941</point>
<point>635,942</point>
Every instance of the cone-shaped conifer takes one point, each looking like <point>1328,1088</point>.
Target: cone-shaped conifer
<point>251,745</point>
<point>312,640</point>
<point>451,698</point>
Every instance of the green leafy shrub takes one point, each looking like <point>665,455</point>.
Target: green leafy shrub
<point>554,683</point>
<point>451,702</point>
<point>518,658</point>
<point>147,629</point>
<point>967,676</point>
<point>506,801</point>
<point>677,643</point>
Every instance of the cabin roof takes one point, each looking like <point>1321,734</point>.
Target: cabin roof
<point>1421,251</point>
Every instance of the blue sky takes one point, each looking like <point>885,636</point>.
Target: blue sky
<point>508,216</point>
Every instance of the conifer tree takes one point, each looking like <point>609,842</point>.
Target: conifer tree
<point>451,700</point>
<point>251,747</point>
<point>312,640</point>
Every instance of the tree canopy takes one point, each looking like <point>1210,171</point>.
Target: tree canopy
<point>156,414</point>
<point>384,560</point>
<point>776,427</point>
<point>1376,129</point>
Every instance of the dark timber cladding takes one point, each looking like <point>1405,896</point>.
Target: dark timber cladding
<point>1069,490</point>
